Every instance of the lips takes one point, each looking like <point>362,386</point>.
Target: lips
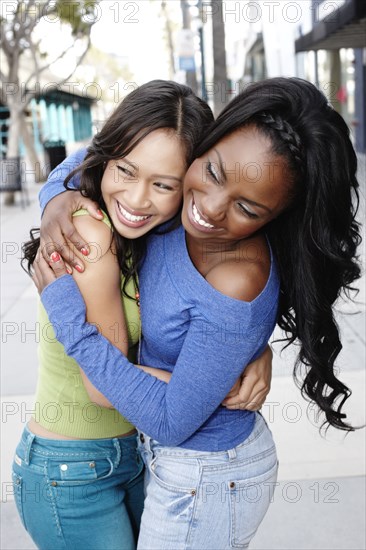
<point>131,219</point>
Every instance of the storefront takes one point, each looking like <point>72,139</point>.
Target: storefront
<point>53,117</point>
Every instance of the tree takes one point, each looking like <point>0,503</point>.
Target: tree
<point>191,75</point>
<point>219,57</point>
<point>168,37</point>
<point>22,41</point>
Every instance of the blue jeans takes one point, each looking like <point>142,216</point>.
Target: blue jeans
<point>79,494</point>
<point>207,500</point>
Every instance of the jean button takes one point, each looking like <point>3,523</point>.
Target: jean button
<point>142,439</point>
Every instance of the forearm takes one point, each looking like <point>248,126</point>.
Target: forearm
<point>97,397</point>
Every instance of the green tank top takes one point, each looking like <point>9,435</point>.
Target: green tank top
<point>62,403</point>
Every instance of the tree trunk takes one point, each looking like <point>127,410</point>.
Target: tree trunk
<point>13,144</point>
<point>191,77</point>
<point>18,129</point>
<point>221,92</point>
<point>169,38</point>
<point>31,151</point>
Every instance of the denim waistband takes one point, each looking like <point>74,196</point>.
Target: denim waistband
<point>113,448</point>
<point>260,425</point>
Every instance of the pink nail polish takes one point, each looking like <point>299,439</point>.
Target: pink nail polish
<point>55,257</point>
<point>78,268</point>
<point>85,251</point>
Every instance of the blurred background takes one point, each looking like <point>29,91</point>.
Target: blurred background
<point>65,65</point>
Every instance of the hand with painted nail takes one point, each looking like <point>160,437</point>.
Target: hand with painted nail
<point>58,232</point>
<point>45,273</point>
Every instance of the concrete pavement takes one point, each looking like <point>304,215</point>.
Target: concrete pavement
<point>319,502</point>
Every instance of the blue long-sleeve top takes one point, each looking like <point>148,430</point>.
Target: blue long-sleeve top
<point>190,329</point>
<point>55,181</point>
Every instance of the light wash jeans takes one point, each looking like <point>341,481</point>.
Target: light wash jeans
<point>79,495</point>
<point>207,500</point>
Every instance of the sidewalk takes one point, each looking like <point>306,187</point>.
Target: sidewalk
<point>319,502</point>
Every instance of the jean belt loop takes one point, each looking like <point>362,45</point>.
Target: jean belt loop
<point>148,441</point>
<point>231,454</point>
<point>28,448</point>
<point>117,446</point>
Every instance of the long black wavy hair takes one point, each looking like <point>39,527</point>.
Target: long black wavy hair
<point>158,104</point>
<point>316,238</point>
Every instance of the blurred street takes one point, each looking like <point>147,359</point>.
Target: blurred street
<point>319,502</point>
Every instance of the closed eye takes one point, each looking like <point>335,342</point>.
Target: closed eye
<point>163,186</point>
<point>246,211</point>
<point>125,171</point>
<point>211,170</point>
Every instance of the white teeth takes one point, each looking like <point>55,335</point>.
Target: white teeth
<point>131,217</point>
<point>198,218</point>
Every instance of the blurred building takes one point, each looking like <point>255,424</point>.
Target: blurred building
<point>337,41</point>
<point>54,116</point>
<point>321,41</point>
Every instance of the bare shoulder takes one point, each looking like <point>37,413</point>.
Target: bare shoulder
<point>96,233</point>
<point>245,276</point>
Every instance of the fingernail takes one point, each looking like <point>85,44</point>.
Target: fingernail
<point>100,213</point>
<point>78,268</point>
<point>69,270</point>
<point>55,257</point>
<point>84,251</point>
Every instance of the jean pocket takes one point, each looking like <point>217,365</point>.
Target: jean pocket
<point>65,472</point>
<point>249,502</point>
<point>18,495</point>
<point>175,475</point>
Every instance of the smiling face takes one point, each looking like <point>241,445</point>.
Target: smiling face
<point>144,189</point>
<point>236,188</point>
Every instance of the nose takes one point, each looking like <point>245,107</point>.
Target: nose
<point>137,195</point>
<point>214,206</point>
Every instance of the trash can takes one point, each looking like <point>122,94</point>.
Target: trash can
<point>55,153</point>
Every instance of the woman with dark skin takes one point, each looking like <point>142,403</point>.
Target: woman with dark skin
<point>88,447</point>
<point>296,211</point>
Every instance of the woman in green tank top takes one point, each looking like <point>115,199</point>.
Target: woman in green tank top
<point>78,455</point>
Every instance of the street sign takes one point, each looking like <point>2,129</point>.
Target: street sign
<point>187,63</point>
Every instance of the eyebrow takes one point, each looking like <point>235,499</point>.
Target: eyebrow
<point>161,176</point>
<point>221,165</point>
